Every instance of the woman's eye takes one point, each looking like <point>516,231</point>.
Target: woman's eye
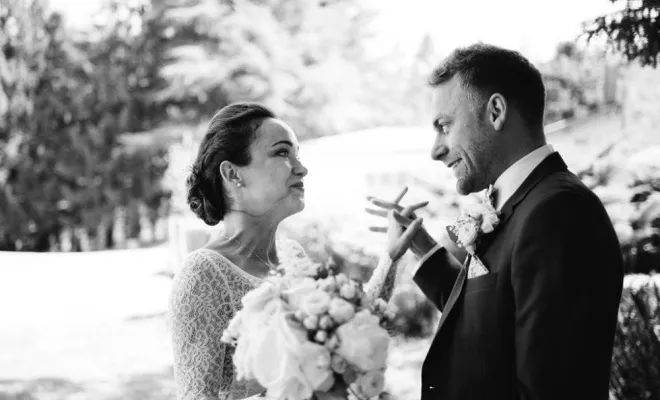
<point>283,153</point>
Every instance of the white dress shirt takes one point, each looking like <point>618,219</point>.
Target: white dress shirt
<point>511,179</point>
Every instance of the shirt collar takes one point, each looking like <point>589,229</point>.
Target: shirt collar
<point>507,184</point>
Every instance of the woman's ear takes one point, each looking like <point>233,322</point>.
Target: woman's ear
<point>230,173</point>
<point>496,111</point>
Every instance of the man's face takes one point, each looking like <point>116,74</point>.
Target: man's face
<point>463,140</point>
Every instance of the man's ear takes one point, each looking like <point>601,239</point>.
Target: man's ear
<point>496,111</point>
<point>230,173</point>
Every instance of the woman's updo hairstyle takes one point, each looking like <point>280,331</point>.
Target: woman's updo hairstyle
<point>228,138</point>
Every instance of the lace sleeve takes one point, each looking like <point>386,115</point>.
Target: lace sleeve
<point>200,307</point>
<point>382,282</point>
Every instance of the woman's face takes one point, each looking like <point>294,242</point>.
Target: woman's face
<point>273,181</point>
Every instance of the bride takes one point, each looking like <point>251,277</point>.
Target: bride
<point>248,175</point>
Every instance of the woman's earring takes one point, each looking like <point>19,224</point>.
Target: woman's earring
<point>239,184</point>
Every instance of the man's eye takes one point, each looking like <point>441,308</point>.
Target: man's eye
<point>441,126</point>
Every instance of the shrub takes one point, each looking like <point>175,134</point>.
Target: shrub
<point>636,355</point>
<point>629,187</point>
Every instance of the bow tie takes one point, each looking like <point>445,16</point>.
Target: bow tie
<point>491,196</point>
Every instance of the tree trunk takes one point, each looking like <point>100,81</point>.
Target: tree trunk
<point>109,235</point>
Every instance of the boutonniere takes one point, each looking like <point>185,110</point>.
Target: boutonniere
<point>475,221</point>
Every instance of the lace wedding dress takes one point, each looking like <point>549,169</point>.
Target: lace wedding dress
<point>206,294</point>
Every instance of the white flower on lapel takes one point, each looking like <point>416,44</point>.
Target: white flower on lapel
<point>474,221</point>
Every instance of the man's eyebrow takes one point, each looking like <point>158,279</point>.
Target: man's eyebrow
<point>438,118</point>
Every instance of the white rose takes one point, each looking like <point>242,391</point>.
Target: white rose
<point>370,384</point>
<point>321,336</point>
<point>311,322</point>
<point>301,267</point>
<point>363,342</point>
<point>315,303</point>
<point>348,290</point>
<point>326,322</point>
<point>380,305</point>
<point>332,342</point>
<point>316,366</point>
<point>390,312</point>
<point>341,310</point>
<point>475,211</point>
<point>298,289</point>
<point>256,299</point>
<point>290,389</point>
<point>341,279</point>
<point>338,364</point>
<point>328,284</point>
<point>392,308</point>
<point>489,222</point>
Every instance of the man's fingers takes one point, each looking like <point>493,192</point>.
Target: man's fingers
<point>409,211</point>
<point>378,229</point>
<point>398,198</point>
<point>380,213</point>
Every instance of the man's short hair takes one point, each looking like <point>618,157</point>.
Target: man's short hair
<point>485,69</point>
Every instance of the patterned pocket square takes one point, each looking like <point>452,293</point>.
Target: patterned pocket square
<point>476,268</point>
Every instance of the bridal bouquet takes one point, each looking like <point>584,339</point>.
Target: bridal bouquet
<point>306,329</point>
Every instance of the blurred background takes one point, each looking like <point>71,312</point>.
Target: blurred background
<point>103,104</point>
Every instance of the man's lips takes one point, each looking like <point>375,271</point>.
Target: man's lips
<point>453,163</point>
<point>298,185</point>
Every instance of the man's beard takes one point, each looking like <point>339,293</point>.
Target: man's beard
<point>465,186</point>
<point>471,183</point>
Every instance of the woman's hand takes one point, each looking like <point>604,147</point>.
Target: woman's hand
<point>404,227</point>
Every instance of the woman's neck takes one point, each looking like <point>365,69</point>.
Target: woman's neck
<point>250,237</point>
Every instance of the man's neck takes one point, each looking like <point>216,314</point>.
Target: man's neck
<point>515,152</point>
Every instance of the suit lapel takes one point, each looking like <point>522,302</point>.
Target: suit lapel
<point>455,292</point>
<point>551,164</point>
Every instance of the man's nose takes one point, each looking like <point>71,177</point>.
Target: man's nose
<point>439,150</point>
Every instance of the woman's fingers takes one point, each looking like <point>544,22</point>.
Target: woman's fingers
<point>410,210</point>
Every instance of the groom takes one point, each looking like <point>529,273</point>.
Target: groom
<point>532,315</point>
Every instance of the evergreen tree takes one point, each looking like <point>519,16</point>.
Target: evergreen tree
<point>633,31</point>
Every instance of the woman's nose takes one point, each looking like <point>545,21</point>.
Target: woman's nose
<point>300,170</point>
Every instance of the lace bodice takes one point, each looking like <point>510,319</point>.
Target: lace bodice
<point>206,294</point>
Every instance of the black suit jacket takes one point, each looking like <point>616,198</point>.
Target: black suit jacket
<point>541,324</point>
